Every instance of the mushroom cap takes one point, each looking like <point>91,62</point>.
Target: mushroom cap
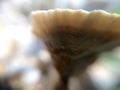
<point>75,38</point>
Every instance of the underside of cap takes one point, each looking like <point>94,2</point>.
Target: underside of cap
<point>76,37</point>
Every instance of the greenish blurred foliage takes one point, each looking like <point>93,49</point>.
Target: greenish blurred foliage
<point>117,10</point>
<point>111,60</point>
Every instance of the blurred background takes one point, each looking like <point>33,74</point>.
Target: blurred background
<point>25,64</point>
